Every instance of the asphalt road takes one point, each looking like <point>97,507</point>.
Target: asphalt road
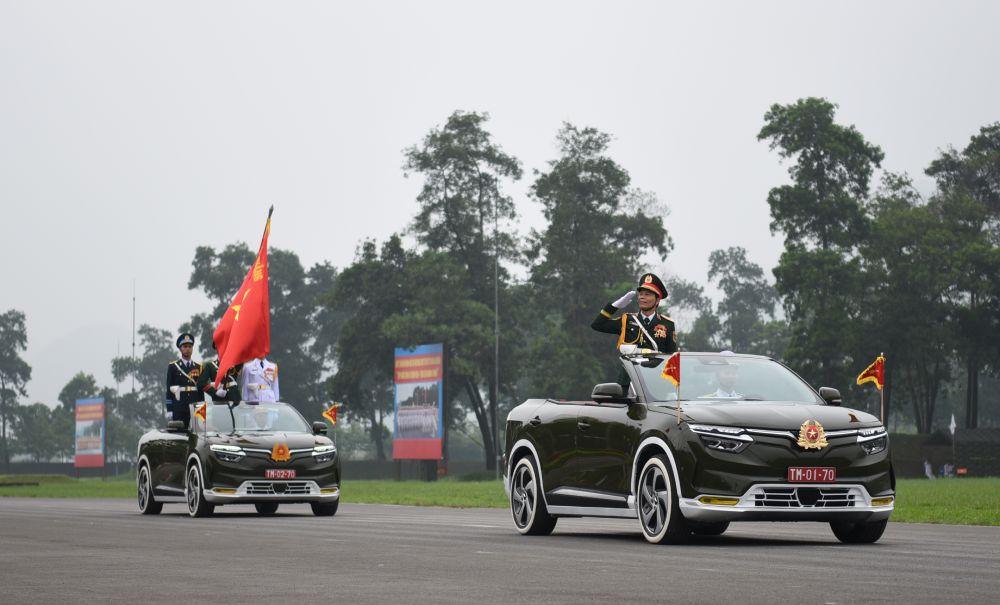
<point>103,551</point>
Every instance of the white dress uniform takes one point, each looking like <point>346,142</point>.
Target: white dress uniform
<point>259,381</point>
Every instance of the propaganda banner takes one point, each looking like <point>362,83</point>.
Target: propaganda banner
<point>418,420</point>
<point>89,439</point>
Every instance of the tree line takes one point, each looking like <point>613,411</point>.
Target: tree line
<point>866,268</point>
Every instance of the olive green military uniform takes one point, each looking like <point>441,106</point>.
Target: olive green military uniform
<point>206,382</point>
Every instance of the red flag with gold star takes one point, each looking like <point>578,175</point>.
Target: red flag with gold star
<point>201,412</point>
<point>672,369</point>
<point>874,373</point>
<point>331,414</point>
<point>244,332</point>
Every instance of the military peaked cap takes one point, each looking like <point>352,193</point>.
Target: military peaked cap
<point>652,283</point>
<point>185,339</point>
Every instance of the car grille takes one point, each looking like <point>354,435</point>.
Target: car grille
<point>804,497</point>
<point>279,488</point>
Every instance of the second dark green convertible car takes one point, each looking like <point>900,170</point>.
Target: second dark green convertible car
<point>748,440</point>
<point>263,454</point>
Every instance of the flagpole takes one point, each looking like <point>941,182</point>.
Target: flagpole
<point>678,386</point>
<point>881,391</point>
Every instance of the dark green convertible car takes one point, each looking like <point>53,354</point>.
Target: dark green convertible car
<point>746,440</point>
<point>248,453</point>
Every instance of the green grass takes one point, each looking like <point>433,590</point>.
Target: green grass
<point>61,486</point>
<point>452,493</point>
<point>966,501</point>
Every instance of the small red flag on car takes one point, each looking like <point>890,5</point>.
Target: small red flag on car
<point>331,414</point>
<point>244,332</point>
<point>672,369</point>
<point>201,412</point>
<point>874,373</point>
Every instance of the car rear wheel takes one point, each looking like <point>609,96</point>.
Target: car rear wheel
<point>325,509</point>
<point>659,515</point>
<point>266,508</point>
<point>197,505</point>
<point>147,503</point>
<point>858,533</point>
<point>527,506</point>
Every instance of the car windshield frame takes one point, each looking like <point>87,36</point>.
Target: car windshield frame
<point>252,417</point>
<point>700,374</point>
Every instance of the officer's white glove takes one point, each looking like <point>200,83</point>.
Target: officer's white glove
<point>220,392</point>
<point>176,390</point>
<point>624,300</point>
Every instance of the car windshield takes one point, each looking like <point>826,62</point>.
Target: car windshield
<point>707,377</point>
<point>254,417</point>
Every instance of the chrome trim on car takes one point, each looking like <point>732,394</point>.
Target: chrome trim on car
<point>770,433</point>
<point>591,511</point>
<point>586,493</point>
<point>780,501</point>
<point>294,490</point>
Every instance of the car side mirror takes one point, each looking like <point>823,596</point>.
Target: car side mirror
<point>175,426</point>
<point>830,395</point>
<point>609,392</point>
<point>319,428</point>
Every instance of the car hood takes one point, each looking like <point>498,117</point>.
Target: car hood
<point>294,441</point>
<point>775,415</point>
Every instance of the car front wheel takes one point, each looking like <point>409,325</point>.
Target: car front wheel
<point>147,503</point>
<point>527,506</point>
<point>659,515</point>
<point>197,505</point>
<point>325,509</point>
<point>858,533</point>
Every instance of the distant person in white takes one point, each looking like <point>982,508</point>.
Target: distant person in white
<point>726,377</point>
<point>259,380</point>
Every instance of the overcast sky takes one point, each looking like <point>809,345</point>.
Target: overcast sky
<point>130,133</point>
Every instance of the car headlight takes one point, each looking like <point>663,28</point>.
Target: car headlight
<point>722,438</point>
<point>873,440</point>
<point>324,453</point>
<point>228,453</point>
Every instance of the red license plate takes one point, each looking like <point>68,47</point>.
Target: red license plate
<point>279,473</point>
<point>812,474</point>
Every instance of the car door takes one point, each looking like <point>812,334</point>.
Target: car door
<point>607,436</point>
<point>553,431</point>
<point>171,469</point>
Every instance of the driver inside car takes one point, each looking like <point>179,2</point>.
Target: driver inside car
<point>726,377</point>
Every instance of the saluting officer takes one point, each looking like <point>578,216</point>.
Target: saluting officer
<point>646,329</point>
<point>182,381</point>
<point>229,387</point>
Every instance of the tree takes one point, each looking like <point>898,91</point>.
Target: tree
<point>145,408</point>
<point>969,193</point>
<point>822,217</point>
<point>14,371</point>
<point>462,206</point>
<point>592,250</point>
<point>688,299</point>
<point>35,433</point>
<point>365,295</point>
<point>904,297</point>
<point>747,299</point>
